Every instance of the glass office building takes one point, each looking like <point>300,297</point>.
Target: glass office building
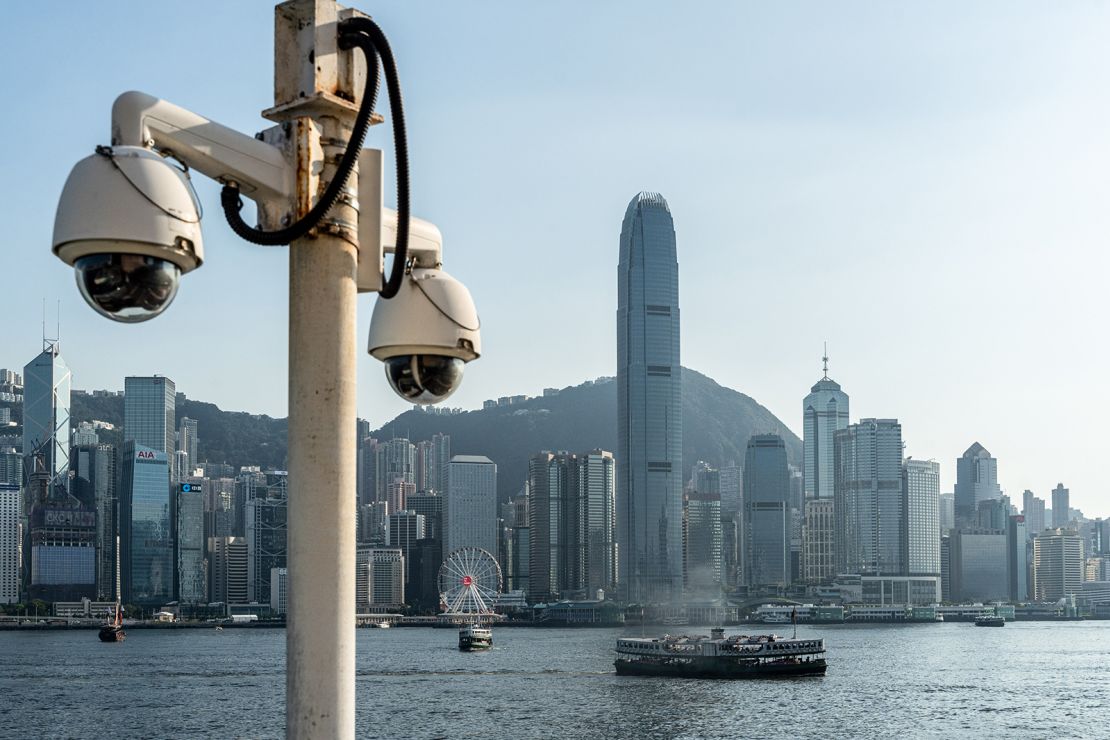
<point>870,508</point>
<point>46,392</point>
<point>149,414</point>
<point>824,413</point>
<point>766,513</point>
<point>649,405</point>
<point>146,526</point>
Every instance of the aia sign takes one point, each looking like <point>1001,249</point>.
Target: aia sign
<point>144,455</point>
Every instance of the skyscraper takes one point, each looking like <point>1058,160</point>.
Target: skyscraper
<point>649,404</point>
<point>766,560</point>
<point>94,483</point>
<point>267,516</point>
<point>921,488</point>
<point>191,586</point>
<point>976,480</point>
<point>146,526</point>
<point>1058,564</point>
<point>471,515</point>
<point>149,414</point>
<point>46,427</point>
<point>869,506</point>
<point>1061,506</point>
<point>824,412</point>
<point>1033,510</point>
<point>10,543</point>
<point>187,443</point>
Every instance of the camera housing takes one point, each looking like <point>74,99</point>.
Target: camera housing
<point>425,334</point>
<point>129,224</point>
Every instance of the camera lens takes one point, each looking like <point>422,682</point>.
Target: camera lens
<point>424,378</point>
<point>127,287</point>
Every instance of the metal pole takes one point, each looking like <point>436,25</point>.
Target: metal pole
<point>320,639</point>
<point>320,635</point>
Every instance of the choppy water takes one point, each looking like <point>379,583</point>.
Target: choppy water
<point>944,680</point>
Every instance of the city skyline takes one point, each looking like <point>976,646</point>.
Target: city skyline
<point>987,164</point>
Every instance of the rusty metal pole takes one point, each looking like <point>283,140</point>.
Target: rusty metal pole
<point>316,91</point>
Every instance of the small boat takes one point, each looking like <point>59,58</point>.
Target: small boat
<point>113,630</point>
<point>383,625</point>
<point>475,637</point>
<point>990,622</point>
<point>717,656</point>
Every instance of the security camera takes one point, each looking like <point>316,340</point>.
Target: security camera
<point>129,224</point>
<point>425,334</point>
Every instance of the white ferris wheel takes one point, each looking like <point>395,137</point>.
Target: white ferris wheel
<point>469,581</point>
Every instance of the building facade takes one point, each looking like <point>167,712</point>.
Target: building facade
<point>976,480</point>
<point>46,399</point>
<point>1058,564</point>
<point>1061,506</point>
<point>818,541</point>
<point>192,585</point>
<point>921,488</point>
<point>267,516</point>
<point>1033,511</point>
<point>649,404</point>
<point>824,413</point>
<point>11,543</point>
<point>146,526</point>
<point>766,560</point>
<point>150,414</point>
<point>471,512</point>
<point>869,504</point>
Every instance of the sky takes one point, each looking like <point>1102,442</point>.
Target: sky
<point>921,185</point>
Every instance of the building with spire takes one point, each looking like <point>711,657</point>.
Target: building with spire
<point>649,405</point>
<point>824,412</point>
<point>46,427</point>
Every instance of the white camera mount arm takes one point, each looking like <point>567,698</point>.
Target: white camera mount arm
<point>261,170</point>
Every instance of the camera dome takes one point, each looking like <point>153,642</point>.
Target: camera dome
<point>424,378</point>
<point>127,287</point>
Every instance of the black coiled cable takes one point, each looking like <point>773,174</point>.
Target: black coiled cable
<point>366,35</point>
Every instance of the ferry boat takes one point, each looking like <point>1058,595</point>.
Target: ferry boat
<point>990,622</point>
<point>475,637</point>
<point>717,656</point>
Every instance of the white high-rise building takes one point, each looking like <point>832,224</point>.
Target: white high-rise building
<point>471,512</point>
<point>921,487</point>
<point>11,543</point>
<point>824,412</point>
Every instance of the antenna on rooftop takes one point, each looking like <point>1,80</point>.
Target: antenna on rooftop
<point>825,359</point>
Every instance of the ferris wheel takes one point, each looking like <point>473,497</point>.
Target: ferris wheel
<point>469,581</point>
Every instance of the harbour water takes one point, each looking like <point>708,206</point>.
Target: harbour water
<point>1030,679</point>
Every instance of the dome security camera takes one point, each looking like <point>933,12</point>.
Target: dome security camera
<point>129,224</point>
<point>425,334</point>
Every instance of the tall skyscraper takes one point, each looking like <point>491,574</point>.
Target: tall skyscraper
<point>766,560</point>
<point>471,515</point>
<point>976,480</point>
<point>921,488</point>
<point>570,507</point>
<point>824,413</point>
<point>818,540</point>
<point>1033,510</point>
<point>146,526</point>
<point>649,404</point>
<point>46,397</point>
<point>227,570</point>
<point>1061,506</point>
<point>149,412</point>
<point>11,543</point>
<point>94,484</point>
<point>267,516</point>
<point>869,506</point>
<point>191,585</point>
<point>702,537</point>
<point>187,443</point>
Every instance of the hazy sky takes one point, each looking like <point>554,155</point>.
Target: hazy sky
<point>923,185</point>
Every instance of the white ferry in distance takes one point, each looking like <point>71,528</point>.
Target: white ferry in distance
<point>717,656</point>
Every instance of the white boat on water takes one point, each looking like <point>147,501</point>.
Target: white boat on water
<point>475,637</point>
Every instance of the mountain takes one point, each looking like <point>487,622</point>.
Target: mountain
<point>234,437</point>
<point>717,423</point>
